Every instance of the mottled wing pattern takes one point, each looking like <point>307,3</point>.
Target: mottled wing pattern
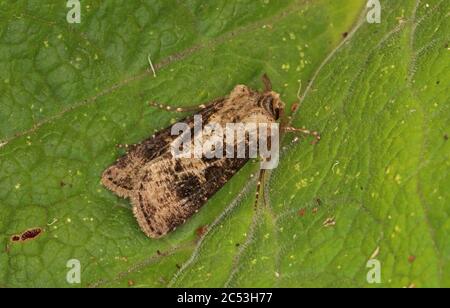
<point>121,177</point>
<point>172,190</point>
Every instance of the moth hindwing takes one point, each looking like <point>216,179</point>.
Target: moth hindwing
<point>165,190</point>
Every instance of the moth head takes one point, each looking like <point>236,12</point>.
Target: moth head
<point>272,103</point>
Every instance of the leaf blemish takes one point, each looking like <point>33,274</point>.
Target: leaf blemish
<point>302,212</point>
<point>201,231</point>
<point>27,235</point>
<point>411,259</point>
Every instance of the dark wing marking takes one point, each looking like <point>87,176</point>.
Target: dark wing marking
<point>120,178</point>
<point>172,190</point>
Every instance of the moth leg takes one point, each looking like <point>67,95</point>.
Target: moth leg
<point>307,132</point>
<point>194,109</point>
<point>260,187</point>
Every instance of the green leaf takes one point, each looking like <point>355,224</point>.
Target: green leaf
<point>378,93</point>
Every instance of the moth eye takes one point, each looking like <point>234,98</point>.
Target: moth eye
<point>277,113</point>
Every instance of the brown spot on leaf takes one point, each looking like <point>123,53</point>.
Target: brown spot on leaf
<point>411,259</point>
<point>302,212</point>
<point>345,34</point>
<point>31,234</point>
<point>201,231</point>
<point>27,235</point>
<point>294,107</point>
<point>446,137</point>
<point>130,283</point>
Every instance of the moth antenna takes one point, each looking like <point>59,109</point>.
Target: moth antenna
<point>267,83</point>
<point>308,132</point>
<point>177,109</point>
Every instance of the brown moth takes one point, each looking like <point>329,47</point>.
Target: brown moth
<point>166,191</point>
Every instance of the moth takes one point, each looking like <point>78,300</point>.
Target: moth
<point>165,191</point>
